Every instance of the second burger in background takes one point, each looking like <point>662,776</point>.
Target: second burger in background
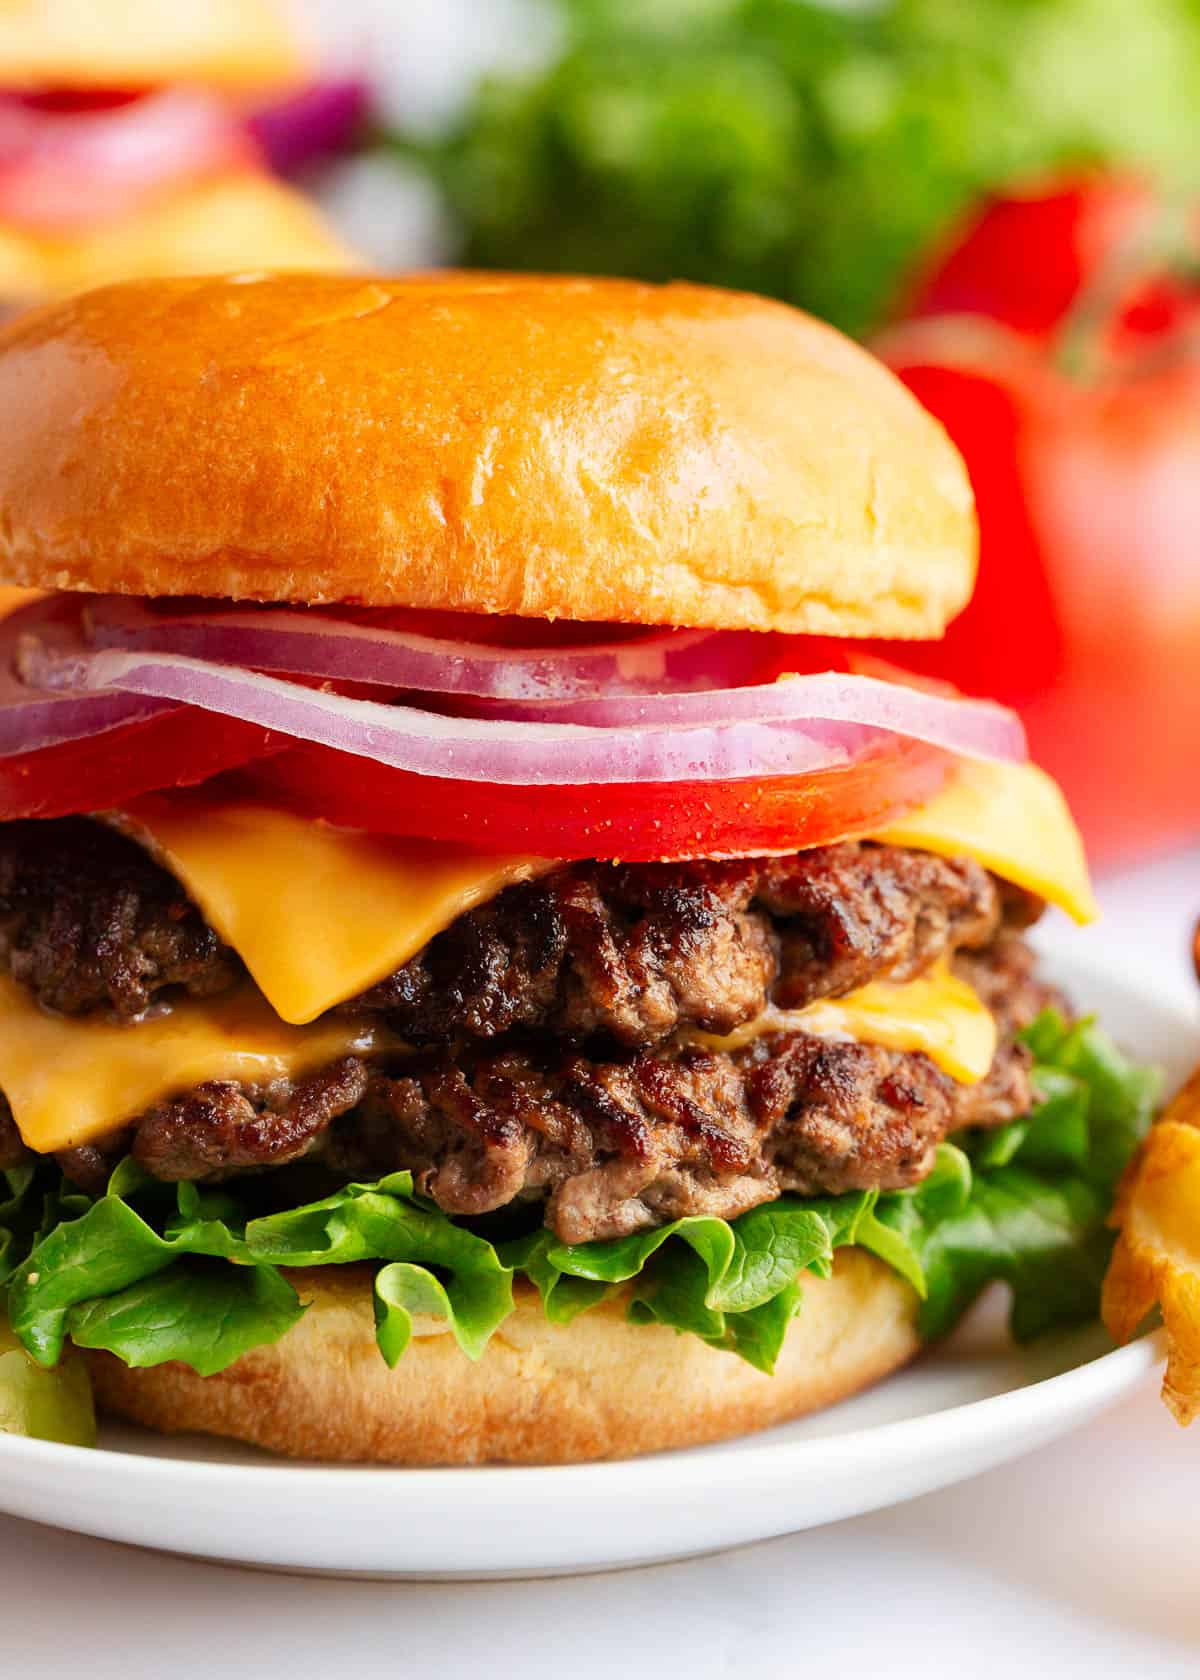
<point>123,151</point>
<point>501,976</point>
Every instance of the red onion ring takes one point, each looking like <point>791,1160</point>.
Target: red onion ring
<point>304,642</point>
<point>813,736</point>
<point>61,170</point>
<point>32,718</point>
<point>991,730</point>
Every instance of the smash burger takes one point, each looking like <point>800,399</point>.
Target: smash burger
<point>492,969</point>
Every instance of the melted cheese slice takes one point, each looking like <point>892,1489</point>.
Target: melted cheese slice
<point>319,913</point>
<point>316,913</point>
<point>69,1081</point>
<point>938,1014</point>
<point>1013,820</point>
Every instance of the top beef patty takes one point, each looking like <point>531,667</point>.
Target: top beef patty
<point>625,954</point>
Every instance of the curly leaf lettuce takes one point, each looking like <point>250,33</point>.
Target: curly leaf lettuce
<point>1030,1207</point>
<point>734,1284</point>
<point>153,1273</point>
<point>433,1266</point>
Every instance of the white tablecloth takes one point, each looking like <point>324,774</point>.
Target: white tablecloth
<point>1080,1559</point>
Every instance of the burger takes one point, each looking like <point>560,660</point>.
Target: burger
<point>492,966</point>
<point>125,149</point>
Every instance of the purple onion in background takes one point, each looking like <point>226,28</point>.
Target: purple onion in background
<point>310,126</point>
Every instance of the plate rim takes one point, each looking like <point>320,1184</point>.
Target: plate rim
<point>1113,1372</point>
<point>1103,1377</point>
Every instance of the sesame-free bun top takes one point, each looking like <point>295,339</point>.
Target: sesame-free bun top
<point>584,449</point>
<point>140,43</point>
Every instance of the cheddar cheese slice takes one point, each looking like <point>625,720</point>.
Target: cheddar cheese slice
<point>319,913</point>
<point>938,1014</point>
<point>71,1081</point>
<point>316,913</point>
<point>1013,820</point>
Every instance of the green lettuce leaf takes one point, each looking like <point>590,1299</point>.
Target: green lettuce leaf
<point>102,1276</point>
<point>1034,1196</point>
<point>732,1284</point>
<point>204,1314</point>
<point>17,1226</point>
<point>1119,1097</point>
<point>434,1266</point>
<point>152,1272</point>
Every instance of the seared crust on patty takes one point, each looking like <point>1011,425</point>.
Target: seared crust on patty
<point>607,1145</point>
<point>12,1148</point>
<point>627,954</point>
<point>219,1128</point>
<point>633,953</point>
<point>622,1146</point>
<point>89,921</point>
<point>553,1064</point>
<point>633,1141</point>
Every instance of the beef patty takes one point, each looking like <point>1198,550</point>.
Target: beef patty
<point>607,1145</point>
<point>553,1065</point>
<point>630,954</point>
<point>89,921</point>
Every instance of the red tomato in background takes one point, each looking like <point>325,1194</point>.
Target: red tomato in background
<point>1032,259</point>
<point>1023,258</point>
<point>1082,437</point>
<point>175,749</point>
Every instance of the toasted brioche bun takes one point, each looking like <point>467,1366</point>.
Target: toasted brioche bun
<point>138,43</point>
<point>583,449</point>
<point>243,218</point>
<point>542,1393</point>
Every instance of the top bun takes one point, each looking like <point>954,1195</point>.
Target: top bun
<point>139,43</point>
<point>585,449</point>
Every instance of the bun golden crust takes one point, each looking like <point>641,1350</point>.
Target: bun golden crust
<point>542,1393</point>
<point>583,449</point>
<point>138,43</point>
<point>244,218</point>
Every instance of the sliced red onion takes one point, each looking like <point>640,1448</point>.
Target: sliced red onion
<point>303,642</point>
<point>979,728</point>
<point>32,718</point>
<point>63,169</point>
<point>312,125</point>
<point>499,752</point>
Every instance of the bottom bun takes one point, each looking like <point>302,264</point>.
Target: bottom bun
<point>541,1394</point>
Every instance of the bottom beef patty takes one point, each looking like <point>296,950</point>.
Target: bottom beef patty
<point>608,1145</point>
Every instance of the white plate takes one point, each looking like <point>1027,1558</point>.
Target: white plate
<point>966,1406</point>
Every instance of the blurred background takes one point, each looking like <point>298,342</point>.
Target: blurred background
<point>996,195</point>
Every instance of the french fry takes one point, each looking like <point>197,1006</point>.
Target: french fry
<point>1156,1261</point>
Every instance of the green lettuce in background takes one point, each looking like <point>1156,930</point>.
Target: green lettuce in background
<point>803,150</point>
<point>153,1272</point>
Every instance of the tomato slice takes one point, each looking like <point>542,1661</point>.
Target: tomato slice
<point>638,822</point>
<point>174,749</point>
